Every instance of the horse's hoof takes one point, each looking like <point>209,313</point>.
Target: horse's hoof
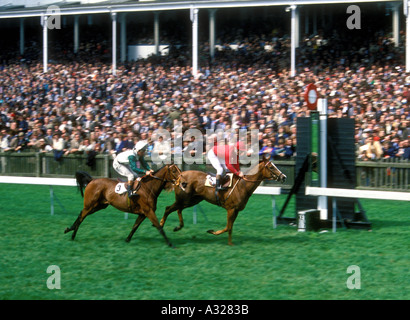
<point>211,231</point>
<point>177,229</point>
<point>66,230</point>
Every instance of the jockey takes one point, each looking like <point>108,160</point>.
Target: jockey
<point>131,163</point>
<point>225,157</point>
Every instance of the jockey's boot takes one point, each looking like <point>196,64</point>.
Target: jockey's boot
<point>131,192</point>
<point>218,183</point>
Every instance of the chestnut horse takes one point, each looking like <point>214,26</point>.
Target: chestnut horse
<point>233,200</point>
<point>99,193</point>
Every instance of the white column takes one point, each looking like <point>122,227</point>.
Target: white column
<point>194,19</point>
<point>114,43</point>
<point>156,32</point>
<point>45,44</point>
<point>396,24</point>
<point>123,37</point>
<point>297,27</point>
<point>406,13</point>
<point>76,33</point>
<point>293,42</point>
<point>212,13</point>
<point>22,36</point>
<point>322,200</point>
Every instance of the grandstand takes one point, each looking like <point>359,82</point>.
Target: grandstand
<point>244,64</point>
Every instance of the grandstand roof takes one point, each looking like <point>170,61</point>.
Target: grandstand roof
<point>26,8</point>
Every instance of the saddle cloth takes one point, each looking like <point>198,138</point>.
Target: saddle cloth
<point>121,188</point>
<point>210,181</point>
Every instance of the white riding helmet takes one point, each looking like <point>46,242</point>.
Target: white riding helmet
<point>141,145</point>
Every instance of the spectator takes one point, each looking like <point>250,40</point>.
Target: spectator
<point>58,146</point>
<point>43,147</point>
<point>5,141</point>
<point>267,148</point>
<point>19,143</point>
<point>127,142</point>
<point>75,145</point>
<point>406,150</point>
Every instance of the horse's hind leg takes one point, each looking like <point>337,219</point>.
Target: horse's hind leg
<point>76,225</point>
<point>137,223</point>
<point>83,214</point>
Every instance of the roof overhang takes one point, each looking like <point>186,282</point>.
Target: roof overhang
<point>115,7</point>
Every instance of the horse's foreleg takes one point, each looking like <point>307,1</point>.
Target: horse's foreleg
<point>137,223</point>
<point>232,214</point>
<point>181,221</point>
<point>153,218</point>
<point>169,210</point>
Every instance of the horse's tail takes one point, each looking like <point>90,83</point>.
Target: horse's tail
<point>82,178</point>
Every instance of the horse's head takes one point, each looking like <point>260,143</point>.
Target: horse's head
<point>172,176</point>
<point>270,171</point>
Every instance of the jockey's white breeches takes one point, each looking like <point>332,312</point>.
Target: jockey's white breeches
<point>124,170</point>
<point>216,163</point>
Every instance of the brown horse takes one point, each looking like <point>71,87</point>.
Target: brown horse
<point>99,193</point>
<point>192,190</point>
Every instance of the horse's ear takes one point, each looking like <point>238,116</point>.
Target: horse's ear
<point>266,157</point>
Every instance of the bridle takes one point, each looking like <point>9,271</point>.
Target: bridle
<point>274,176</point>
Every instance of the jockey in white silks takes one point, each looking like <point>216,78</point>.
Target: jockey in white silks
<point>131,164</point>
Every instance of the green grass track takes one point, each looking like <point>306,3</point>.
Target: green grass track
<point>264,263</point>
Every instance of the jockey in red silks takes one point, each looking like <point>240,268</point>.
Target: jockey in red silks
<point>225,157</point>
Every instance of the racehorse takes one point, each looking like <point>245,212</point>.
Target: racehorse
<point>99,193</point>
<point>191,190</point>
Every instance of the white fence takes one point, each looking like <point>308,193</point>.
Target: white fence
<point>41,181</point>
<point>354,193</point>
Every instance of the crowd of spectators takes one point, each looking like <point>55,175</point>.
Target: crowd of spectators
<point>81,107</point>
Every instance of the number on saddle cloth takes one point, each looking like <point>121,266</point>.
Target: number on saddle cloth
<point>121,188</point>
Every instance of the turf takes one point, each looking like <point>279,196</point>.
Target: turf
<point>264,263</point>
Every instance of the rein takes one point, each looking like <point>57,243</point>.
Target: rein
<point>173,181</point>
<point>246,179</point>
